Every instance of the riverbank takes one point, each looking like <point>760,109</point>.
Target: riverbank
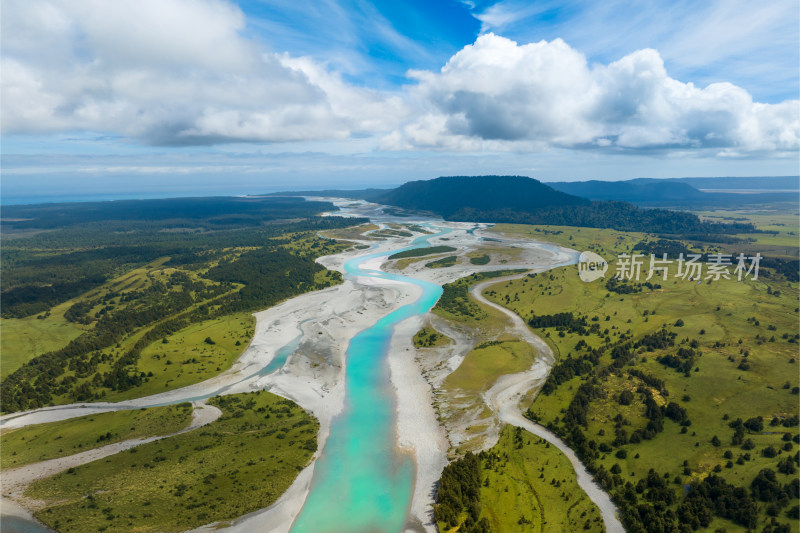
<point>16,480</point>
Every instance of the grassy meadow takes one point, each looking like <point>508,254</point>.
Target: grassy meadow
<point>41,442</point>
<point>783,227</point>
<point>191,355</point>
<point>22,339</point>
<point>487,362</point>
<point>530,485</point>
<point>428,337</point>
<point>240,463</point>
<point>743,333</point>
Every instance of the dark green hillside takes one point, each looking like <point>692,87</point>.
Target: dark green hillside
<point>446,196</point>
<point>521,200</point>
<point>675,193</point>
<point>620,216</point>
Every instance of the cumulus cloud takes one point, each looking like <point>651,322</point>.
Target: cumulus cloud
<point>185,72</point>
<point>169,72</point>
<point>498,95</point>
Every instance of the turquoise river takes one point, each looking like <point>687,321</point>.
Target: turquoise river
<point>362,482</point>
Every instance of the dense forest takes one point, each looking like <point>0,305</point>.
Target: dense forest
<point>201,275</point>
<point>521,200</point>
<point>620,216</point>
<point>458,499</point>
<point>447,196</point>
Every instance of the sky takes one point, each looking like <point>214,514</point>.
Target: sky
<point>183,97</point>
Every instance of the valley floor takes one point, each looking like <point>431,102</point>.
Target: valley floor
<point>475,371</point>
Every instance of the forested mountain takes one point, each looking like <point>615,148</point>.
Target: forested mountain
<point>522,200</point>
<point>449,195</point>
<point>678,193</point>
<point>486,193</point>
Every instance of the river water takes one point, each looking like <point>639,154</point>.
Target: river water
<point>15,524</point>
<point>362,482</point>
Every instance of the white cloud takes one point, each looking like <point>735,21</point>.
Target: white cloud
<point>182,72</point>
<point>752,44</point>
<point>168,72</point>
<point>497,94</point>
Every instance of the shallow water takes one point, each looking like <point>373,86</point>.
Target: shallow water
<point>15,524</point>
<point>282,355</point>
<point>361,481</point>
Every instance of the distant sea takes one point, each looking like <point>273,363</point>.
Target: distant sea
<point>26,199</point>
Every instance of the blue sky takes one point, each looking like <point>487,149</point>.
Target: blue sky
<point>212,96</point>
<point>375,43</point>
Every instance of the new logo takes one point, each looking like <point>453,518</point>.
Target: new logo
<point>591,266</point>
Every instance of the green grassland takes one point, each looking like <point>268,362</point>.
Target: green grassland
<point>186,358</point>
<point>444,262</point>
<point>403,263</point>
<point>390,233</point>
<point>482,259</point>
<point>25,338</point>
<point>784,227</point>
<point>22,339</point>
<point>745,333</point>
<point>168,323</point>
<point>41,442</point>
<point>530,485</point>
<point>195,360</point>
<point>428,337</point>
<point>456,304</point>
<point>521,484</point>
<point>418,229</point>
<point>601,241</point>
<point>419,252</point>
<point>351,234</point>
<point>240,463</point>
<point>487,362</point>
<point>779,228</point>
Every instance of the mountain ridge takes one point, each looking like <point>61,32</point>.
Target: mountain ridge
<point>448,194</point>
<point>517,199</point>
